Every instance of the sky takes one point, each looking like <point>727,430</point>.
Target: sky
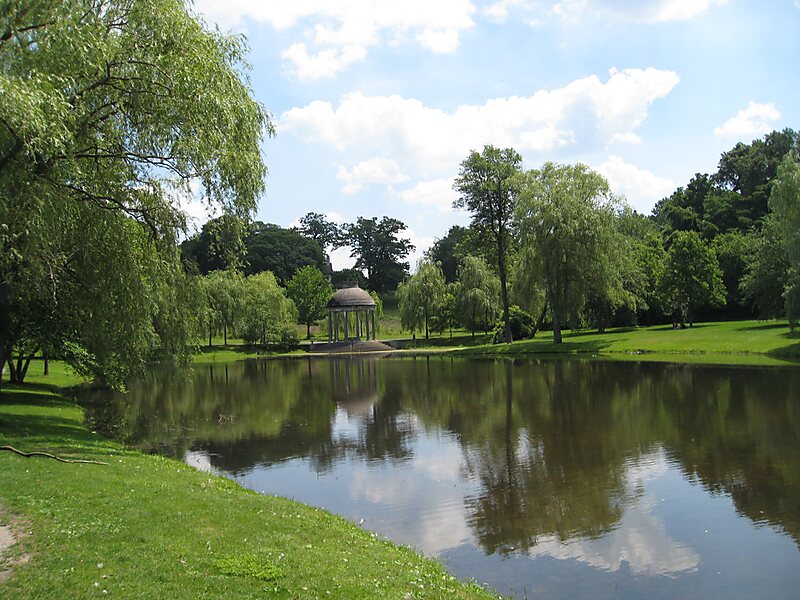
<point>377,102</point>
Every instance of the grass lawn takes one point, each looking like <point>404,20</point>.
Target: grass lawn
<point>144,526</point>
<point>734,342</point>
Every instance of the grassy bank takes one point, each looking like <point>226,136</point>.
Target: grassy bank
<point>143,526</point>
<point>735,342</point>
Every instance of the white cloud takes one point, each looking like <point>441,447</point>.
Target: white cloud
<point>324,64</point>
<point>437,193</point>
<point>642,188</point>
<point>753,121</point>
<point>635,11</point>
<point>586,111</point>
<point>343,31</point>
<point>498,11</point>
<point>375,170</point>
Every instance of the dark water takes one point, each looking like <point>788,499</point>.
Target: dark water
<point>545,479</point>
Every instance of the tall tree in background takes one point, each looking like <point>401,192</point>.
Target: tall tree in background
<point>280,251</point>
<point>310,292</point>
<point>785,203</point>
<point>485,190</point>
<point>110,110</point>
<point>379,250</point>
<point>766,273</point>
<point>692,277</point>
<point>449,250</point>
<point>268,316</point>
<point>565,215</point>
<point>323,231</point>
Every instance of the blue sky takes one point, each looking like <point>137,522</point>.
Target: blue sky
<point>377,102</point>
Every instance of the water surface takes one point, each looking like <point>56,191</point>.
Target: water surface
<point>547,479</point>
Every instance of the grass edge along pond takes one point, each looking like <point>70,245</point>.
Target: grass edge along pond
<point>756,343</point>
<point>145,526</point>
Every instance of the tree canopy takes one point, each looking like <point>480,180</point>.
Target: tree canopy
<point>379,250</point>
<point>110,111</point>
<point>310,292</point>
<point>565,215</point>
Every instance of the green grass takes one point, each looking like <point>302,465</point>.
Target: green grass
<point>735,342</point>
<point>148,527</point>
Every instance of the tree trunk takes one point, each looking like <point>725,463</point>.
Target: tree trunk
<point>426,324</point>
<point>209,337</point>
<point>46,356</point>
<point>539,321</point>
<point>501,264</point>
<point>225,332</point>
<point>556,325</point>
<point>308,331</point>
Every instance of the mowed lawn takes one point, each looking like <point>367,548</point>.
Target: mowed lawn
<point>734,342</point>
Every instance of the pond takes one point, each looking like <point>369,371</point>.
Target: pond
<point>541,478</point>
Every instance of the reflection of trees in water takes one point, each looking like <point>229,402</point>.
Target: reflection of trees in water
<point>548,441</point>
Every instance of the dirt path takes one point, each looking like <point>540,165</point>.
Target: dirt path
<point>8,538</point>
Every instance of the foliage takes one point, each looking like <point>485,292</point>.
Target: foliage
<point>449,250</point>
<point>316,226</point>
<point>766,272</point>
<point>280,251</point>
<point>349,276</point>
<point>565,216</point>
<point>379,251</point>
<point>477,295</point>
<point>485,189</point>
<point>110,110</point>
<point>224,295</point>
<point>735,197</point>
<point>522,325</point>
<point>733,250</point>
<point>692,277</point>
<point>267,314</point>
<point>785,203</point>
<point>422,297</point>
<point>219,245</point>
<point>310,292</point>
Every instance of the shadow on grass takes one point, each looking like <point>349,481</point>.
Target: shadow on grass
<point>764,327</point>
<point>241,348</point>
<point>39,394</point>
<point>42,428</point>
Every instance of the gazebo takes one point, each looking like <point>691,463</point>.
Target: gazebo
<point>358,302</point>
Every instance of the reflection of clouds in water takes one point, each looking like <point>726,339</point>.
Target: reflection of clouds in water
<point>200,460</point>
<point>640,539</point>
<point>425,504</point>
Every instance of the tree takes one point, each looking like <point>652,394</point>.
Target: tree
<point>318,228</point>
<point>110,110</point>
<point>225,296</point>
<point>422,297</point>
<point>692,277</point>
<point>310,292</point>
<point>766,272</point>
<point>565,216</point>
<point>485,190</point>
<point>784,200</point>
<point>379,251</point>
<point>219,245</point>
<point>280,251</point>
<point>732,250</point>
<point>449,250</point>
<point>268,315</point>
<point>478,294</point>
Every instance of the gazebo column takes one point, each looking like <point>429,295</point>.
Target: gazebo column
<point>330,326</point>
<point>346,325</point>
<point>374,331</point>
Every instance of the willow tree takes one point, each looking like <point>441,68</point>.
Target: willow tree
<point>422,298</point>
<point>111,111</point>
<point>784,200</point>
<point>565,217</point>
